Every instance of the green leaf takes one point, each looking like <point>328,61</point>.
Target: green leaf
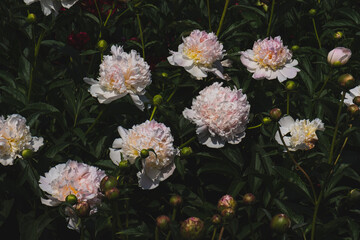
<point>5,209</point>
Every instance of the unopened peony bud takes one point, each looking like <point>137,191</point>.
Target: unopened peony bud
<point>164,74</point>
<point>280,223</point>
<point>157,100</point>
<point>226,201</point>
<point>353,109</point>
<point>31,18</point>
<point>216,219</point>
<point>112,193</point>
<point>27,153</point>
<point>354,196</point>
<point>175,201</point>
<point>346,81</point>
<point>185,151</point>
<point>144,153</point>
<point>275,114</point>
<point>290,85</point>
<point>295,48</point>
<point>124,164</point>
<point>108,182</point>
<point>356,100</point>
<point>162,222</point>
<point>71,199</point>
<point>338,35</point>
<point>82,209</point>
<point>339,56</point>
<point>102,45</point>
<point>248,198</point>
<point>312,12</point>
<point>228,213</point>
<point>266,120</point>
<point>192,228</point>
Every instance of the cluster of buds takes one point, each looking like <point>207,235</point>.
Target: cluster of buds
<point>227,206</point>
<point>108,186</point>
<point>82,208</point>
<point>192,228</point>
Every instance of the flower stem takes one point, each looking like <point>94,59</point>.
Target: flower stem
<point>82,230</point>
<point>271,17</point>
<point>221,232</point>
<point>156,233</point>
<point>171,95</point>
<point>96,120</point>
<point>187,142</point>
<point>316,33</point>
<point>336,128</point>
<point>324,84</point>
<point>317,204</point>
<point>342,148</point>
<point>100,19</point>
<point>214,234</point>
<point>255,126</point>
<point>141,35</point>
<point>108,16</point>
<point>287,102</point>
<point>222,17</point>
<point>153,112</point>
<point>208,7</point>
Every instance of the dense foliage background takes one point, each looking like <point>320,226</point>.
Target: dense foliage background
<point>58,107</point>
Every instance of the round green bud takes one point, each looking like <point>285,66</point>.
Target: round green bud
<point>353,110</point>
<point>266,120</point>
<point>144,153</point>
<point>71,199</point>
<point>346,80</point>
<point>162,222</point>
<point>175,200</point>
<point>312,12</point>
<point>82,209</point>
<point>31,18</point>
<point>249,199</point>
<point>157,100</point>
<point>280,223</point>
<point>124,164</point>
<point>295,48</point>
<point>108,182</point>
<point>185,151</point>
<point>338,35</point>
<point>112,193</point>
<point>102,45</point>
<point>164,74</point>
<point>356,100</point>
<point>275,114</point>
<point>354,195</point>
<point>290,85</point>
<point>27,153</point>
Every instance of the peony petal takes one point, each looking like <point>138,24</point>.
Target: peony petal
<point>138,103</point>
<point>115,155</point>
<point>68,3</point>
<point>167,171</point>
<point>286,121</point>
<point>37,143</point>
<point>196,72</point>
<point>117,143</point>
<point>145,182</point>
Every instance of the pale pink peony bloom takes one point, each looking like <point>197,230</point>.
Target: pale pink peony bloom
<point>75,178</point>
<point>302,133</point>
<point>150,134</point>
<point>339,56</point>
<point>220,114</point>
<point>200,53</point>
<point>349,96</point>
<point>270,59</point>
<point>52,5</point>
<point>15,137</point>
<point>120,74</point>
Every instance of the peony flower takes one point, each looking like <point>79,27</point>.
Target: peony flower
<point>15,137</point>
<point>150,134</point>
<point>270,59</point>
<point>199,53</point>
<point>339,56</point>
<point>121,74</point>
<point>220,114</point>
<point>52,5</point>
<point>349,96</point>
<point>302,133</point>
<point>75,178</point>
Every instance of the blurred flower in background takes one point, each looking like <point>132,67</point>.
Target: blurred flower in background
<point>78,40</point>
<point>48,6</point>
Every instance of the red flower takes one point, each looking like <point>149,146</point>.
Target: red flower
<point>78,40</point>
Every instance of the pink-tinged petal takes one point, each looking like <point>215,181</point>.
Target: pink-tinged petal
<point>181,61</point>
<point>189,113</point>
<point>260,73</point>
<point>280,76</point>
<point>248,63</point>
<point>196,72</point>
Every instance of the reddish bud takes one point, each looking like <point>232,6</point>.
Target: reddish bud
<point>162,222</point>
<point>275,114</point>
<point>112,193</point>
<point>175,200</point>
<point>192,228</point>
<point>248,198</point>
<point>82,209</point>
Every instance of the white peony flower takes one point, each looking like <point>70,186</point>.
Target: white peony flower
<point>75,178</point>
<point>15,137</point>
<point>150,134</point>
<point>199,53</point>
<point>120,74</point>
<point>270,59</point>
<point>52,5</point>
<point>299,134</point>
<point>220,114</point>
<point>349,96</point>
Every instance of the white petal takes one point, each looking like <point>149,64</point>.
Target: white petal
<point>122,132</point>
<point>37,143</point>
<point>196,72</point>
<point>118,142</point>
<point>145,182</point>
<point>115,155</point>
<point>6,160</point>
<point>68,3</point>
<point>237,139</point>
<point>260,73</point>
<point>90,81</point>
<point>138,103</point>
<point>167,171</point>
<point>286,121</point>
<point>249,64</point>
<point>181,61</point>
<point>289,72</point>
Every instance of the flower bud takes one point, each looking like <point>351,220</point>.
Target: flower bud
<point>295,48</point>
<point>82,209</point>
<point>312,12</point>
<point>112,193</point>
<point>275,114</point>
<point>228,213</point>
<point>31,18</point>
<point>102,45</point>
<point>185,151</point>
<point>108,182</point>
<point>338,35</point>
<point>353,109</point>
<point>144,153</point>
<point>27,153</point>
<point>280,223</point>
<point>192,228</point>
<point>164,74</point>
<point>226,201</point>
<point>354,195</point>
<point>162,222</point>
<point>249,198</point>
<point>266,120</point>
<point>290,85</point>
<point>216,219</point>
<point>346,80</point>
<point>157,100</point>
<point>339,56</point>
<point>71,199</point>
<point>356,100</point>
<point>175,201</point>
<point>124,164</point>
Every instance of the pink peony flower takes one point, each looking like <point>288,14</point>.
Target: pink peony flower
<point>121,74</point>
<point>339,56</point>
<point>52,5</point>
<point>150,134</point>
<point>221,115</point>
<point>349,96</point>
<point>15,137</point>
<point>75,178</point>
<point>270,59</point>
<point>199,53</point>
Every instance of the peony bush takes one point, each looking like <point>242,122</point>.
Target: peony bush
<point>132,119</point>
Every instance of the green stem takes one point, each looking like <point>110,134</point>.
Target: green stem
<point>255,126</point>
<point>316,33</point>
<point>324,84</point>
<point>221,232</point>
<point>171,95</point>
<point>153,112</point>
<point>100,19</point>
<point>156,233</point>
<point>336,128</point>
<point>342,148</point>
<point>222,17</point>
<point>214,233</point>
<point>116,223</point>
<point>96,120</point>
<point>141,36</point>
<point>317,205</point>
<point>287,102</point>
<point>108,16</point>
<point>187,142</point>
<point>208,7</point>
<point>82,230</point>
<point>271,17</point>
